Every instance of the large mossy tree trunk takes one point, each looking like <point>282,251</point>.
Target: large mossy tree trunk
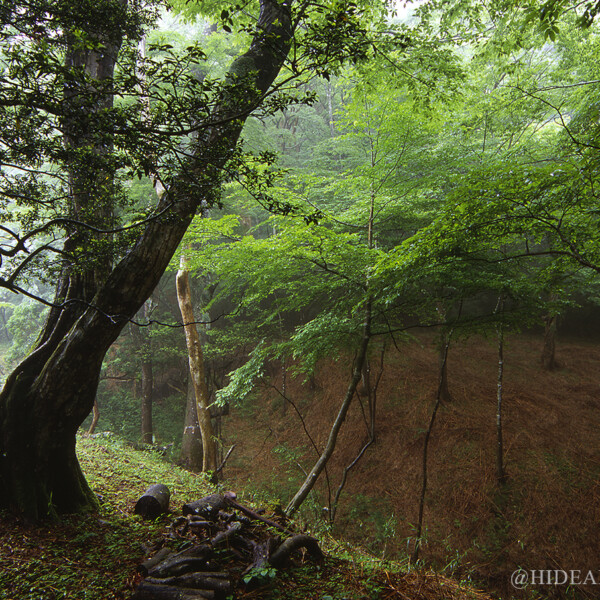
<point>52,391</point>
<point>49,394</point>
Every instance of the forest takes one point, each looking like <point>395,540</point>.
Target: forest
<point>339,256</point>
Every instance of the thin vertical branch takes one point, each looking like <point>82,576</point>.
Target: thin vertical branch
<point>500,472</point>
<point>438,400</point>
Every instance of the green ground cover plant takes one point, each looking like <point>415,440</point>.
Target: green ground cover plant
<point>94,556</point>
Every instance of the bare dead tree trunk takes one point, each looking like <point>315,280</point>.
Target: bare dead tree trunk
<point>191,444</point>
<point>196,362</point>
<point>438,401</point>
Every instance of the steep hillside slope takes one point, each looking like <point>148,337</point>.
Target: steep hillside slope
<point>546,516</point>
<point>94,556</point>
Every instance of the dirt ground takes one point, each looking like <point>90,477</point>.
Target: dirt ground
<point>547,515</point>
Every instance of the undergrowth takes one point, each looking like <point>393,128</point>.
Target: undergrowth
<point>94,556</point>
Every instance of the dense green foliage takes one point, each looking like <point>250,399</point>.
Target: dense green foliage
<point>450,162</point>
<point>418,195</point>
<point>400,173</point>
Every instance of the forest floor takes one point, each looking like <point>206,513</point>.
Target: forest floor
<point>95,556</point>
<point>546,516</point>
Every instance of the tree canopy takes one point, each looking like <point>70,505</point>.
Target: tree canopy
<point>337,177</point>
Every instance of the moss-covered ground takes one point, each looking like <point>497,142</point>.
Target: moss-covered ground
<point>94,556</point>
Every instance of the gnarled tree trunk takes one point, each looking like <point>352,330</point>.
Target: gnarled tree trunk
<point>52,391</point>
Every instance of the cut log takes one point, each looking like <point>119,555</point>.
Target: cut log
<point>198,523</point>
<point>150,591</point>
<point>161,555</point>
<point>182,563</point>
<point>154,502</point>
<point>292,544</point>
<point>217,582</point>
<point>207,507</point>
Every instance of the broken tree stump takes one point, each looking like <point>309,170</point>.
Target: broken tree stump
<point>261,552</point>
<point>154,502</point>
<point>207,507</point>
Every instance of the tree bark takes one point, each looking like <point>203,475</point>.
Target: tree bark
<point>292,544</point>
<point>152,591</point>
<point>549,348</point>
<point>154,502</point>
<point>191,444</point>
<point>50,393</point>
<point>207,507</point>
<point>197,374</point>
<point>202,581</point>
<point>48,396</point>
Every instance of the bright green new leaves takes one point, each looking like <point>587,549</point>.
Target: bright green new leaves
<point>428,210</point>
<point>295,267</point>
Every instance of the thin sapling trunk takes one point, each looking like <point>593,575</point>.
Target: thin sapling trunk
<point>438,401</point>
<point>500,472</point>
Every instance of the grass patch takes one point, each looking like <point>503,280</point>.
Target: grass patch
<point>94,556</point>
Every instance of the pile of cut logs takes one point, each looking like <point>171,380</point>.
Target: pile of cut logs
<point>225,544</point>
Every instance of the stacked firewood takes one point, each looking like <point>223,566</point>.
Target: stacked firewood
<point>226,543</point>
